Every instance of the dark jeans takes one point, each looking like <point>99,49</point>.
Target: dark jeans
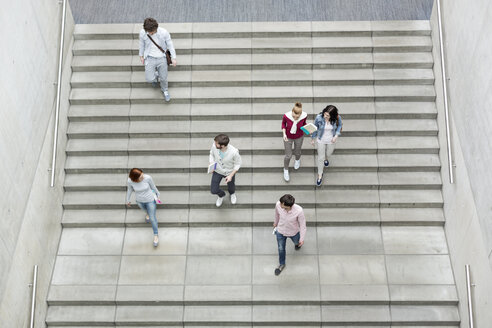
<point>215,185</point>
<point>281,239</point>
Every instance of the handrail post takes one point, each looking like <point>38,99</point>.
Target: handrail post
<point>469,296</point>
<point>445,93</point>
<point>33,300</point>
<point>58,91</point>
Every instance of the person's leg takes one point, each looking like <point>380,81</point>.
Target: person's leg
<point>162,69</point>
<point>329,150</point>
<point>152,209</point>
<point>281,239</point>
<point>215,185</point>
<point>295,240</point>
<point>231,186</point>
<point>288,152</point>
<point>321,158</point>
<point>144,208</point>
<point>150,66</point>
<point>298,147</point>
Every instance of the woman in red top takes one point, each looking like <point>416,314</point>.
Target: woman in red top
<point>291,128</point>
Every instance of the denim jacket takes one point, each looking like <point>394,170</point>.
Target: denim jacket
<point>162,38</point>
<point>320,122</point>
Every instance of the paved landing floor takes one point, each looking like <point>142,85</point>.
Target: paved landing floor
<point>179,11</point>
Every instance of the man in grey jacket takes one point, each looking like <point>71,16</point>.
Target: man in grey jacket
<point>152,57</point>
<point>227,162</point>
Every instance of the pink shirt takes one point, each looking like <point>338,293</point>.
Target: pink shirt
<point>291,222</point>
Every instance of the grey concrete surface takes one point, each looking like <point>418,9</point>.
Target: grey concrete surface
<point>107,11</point>
<point>30,210</point>
<point>375,239</point>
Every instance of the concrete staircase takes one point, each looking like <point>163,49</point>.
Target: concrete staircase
<point>375,252</point>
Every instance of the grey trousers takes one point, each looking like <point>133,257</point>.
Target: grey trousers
<point>324,150</point>
<point>288,150</point>
<point>156,67</point>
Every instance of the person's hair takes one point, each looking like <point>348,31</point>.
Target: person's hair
<point>222,139</point>
<point>135,174</point>
<point>150,25</point>
<point>287,200</point>
<point>333,112</point>
<point>297,108</point>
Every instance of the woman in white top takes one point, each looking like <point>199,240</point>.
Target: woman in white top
<point>329,125</point>
<point>146,194</point>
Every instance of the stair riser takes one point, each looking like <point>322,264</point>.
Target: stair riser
<point>253,83</point>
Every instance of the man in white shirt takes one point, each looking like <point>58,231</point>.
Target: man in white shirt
<point>228,162</point>
<point>152,57</point>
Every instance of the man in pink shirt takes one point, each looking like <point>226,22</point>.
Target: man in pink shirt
<point>289,223</point>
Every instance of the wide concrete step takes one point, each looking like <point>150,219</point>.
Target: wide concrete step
<point>258,29</point>
<point>254,111</point>
<point>121,145</point>
<point>241,45</point>
<point>322,197</point>
<point>234,217</point>
<point>243,128</point>
<point>262,181</point>
<point>224,78</point>
<point>269,163</point>
<point>264,315</point>
<point>233,95</point>
<point>278,61</point>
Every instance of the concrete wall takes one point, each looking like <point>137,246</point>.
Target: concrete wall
<point>30,210</point>
<point>468,211</point>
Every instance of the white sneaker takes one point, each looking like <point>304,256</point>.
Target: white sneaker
<point>286,175</point>
<point>297,164</point>
<point>219,201</point>
<point>233,199</point>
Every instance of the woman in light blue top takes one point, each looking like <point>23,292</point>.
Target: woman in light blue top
<point>329,125</point>
<point>146,194</point>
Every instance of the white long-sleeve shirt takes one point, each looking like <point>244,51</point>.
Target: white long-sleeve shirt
<point>143,190</point>
<point>230,162</point>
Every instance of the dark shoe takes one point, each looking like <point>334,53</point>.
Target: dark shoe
<point>319,181</point>
<point>279,269</point>
<point>327,162</point>
<point>155,84</point>
<point>298,247</point>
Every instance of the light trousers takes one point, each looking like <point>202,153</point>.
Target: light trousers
<point>156,67</point>
<point>288,150</point>
<point>324,150</point>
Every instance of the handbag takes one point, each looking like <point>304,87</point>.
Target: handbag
<point>167,52</point>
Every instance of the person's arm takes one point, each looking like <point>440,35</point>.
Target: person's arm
<point>338,131</point>
<point>211,157</point>
<point>237,164</point>
<point>284,127</point>
<point>315,133</point>
<point>153,187</point>
<point>277,216</point>
<point>170,47</point>
<point>302,227</point>
<point>129,190</point>
<point>141,44</point>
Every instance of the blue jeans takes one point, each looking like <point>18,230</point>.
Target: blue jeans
<point>150,208</point>
<point>281,239</point>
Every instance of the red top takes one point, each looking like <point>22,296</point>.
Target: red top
<point>287,125</point>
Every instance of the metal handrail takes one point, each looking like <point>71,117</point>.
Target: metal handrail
<point>445,94</point>
<point>58,91</point>
<point>33,300</point>
<point>469,296</point>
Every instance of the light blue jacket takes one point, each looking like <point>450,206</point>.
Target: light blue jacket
<point>320,123</point>
<point>161,37</point>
